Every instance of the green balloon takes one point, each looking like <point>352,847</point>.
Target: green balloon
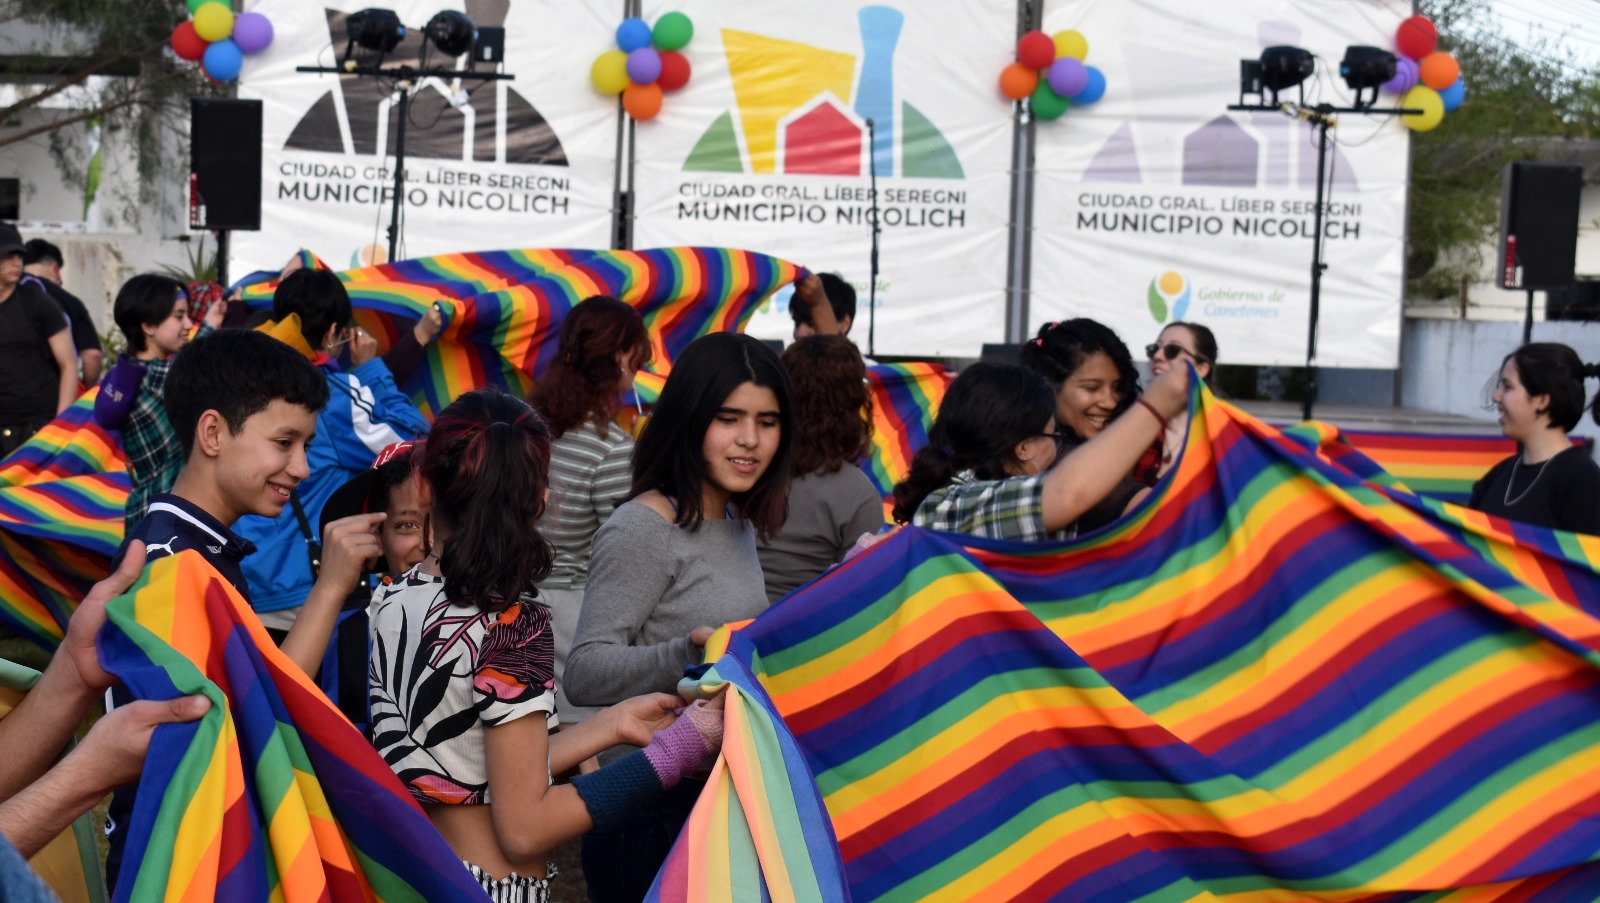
<point>194,5</point>
<point>672,31</point>
<point>1046,103</point>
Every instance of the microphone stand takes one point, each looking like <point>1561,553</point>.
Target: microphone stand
<point>872,284</point>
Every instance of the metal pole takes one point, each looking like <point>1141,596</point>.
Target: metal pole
<point>1019,259</point>
<point>1527,320</point>
<point>399,164</point>
<point>1317,266</point>
<point>872,269</point>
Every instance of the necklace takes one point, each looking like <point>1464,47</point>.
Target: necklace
<point>1511,502</point>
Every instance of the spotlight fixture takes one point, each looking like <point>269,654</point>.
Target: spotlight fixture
<point>452,32</point>
<point>1366,68</point>
<point>1285,67</point>
<point>375,29</point>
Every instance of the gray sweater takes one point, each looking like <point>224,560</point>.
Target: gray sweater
<point>828,512</point>
<point>650,583</point>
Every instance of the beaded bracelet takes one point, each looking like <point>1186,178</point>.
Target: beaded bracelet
<point>1153,412</point>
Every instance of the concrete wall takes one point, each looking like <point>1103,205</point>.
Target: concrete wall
<point>1445,364</point>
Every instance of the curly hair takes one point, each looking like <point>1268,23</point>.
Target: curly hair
<point>1061,348</point>
<point>580,383</point>
<point>832,406</point>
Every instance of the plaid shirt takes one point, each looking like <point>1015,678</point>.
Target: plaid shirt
<point>155,456</point>
<point>1012,508</point>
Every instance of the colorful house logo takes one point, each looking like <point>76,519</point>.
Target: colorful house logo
<point>1168,294</point>
<point>801,109</point>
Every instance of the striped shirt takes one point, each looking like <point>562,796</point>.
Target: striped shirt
<point>589,477</point>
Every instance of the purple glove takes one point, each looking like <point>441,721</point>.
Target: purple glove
<point>679,750</point>
<point>117,393</point>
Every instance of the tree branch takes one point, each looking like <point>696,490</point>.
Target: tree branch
<point>74,119</point>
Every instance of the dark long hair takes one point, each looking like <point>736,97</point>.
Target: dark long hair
<point>989,408</point>
<point>1061,348</point>
<point>580,383</point>
<point>832,407</point>
<point>1554,369</point>
<point>487,466</point>
<point>669,456</point>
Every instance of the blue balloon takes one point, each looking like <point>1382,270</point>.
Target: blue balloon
<point>1093,89</point>
<point>1453,95</point>
<point>633,34</point>
<point>222,60</point>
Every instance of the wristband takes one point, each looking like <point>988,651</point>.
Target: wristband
<point>1153,412</point>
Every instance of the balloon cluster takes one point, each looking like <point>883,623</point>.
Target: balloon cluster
<point>646,63</point>
<point>1426,79</point>
<point>1050,70</point>
<point>218,39</point>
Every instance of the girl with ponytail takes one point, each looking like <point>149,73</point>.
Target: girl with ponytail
<point>1549,482</point>
<point>990,468</point>
<point>462,673</point>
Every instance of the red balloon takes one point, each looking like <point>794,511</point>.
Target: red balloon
<point>1416,37</point>
<point>674,70</point>
<point>186,44</point>
<point>1036,50</point>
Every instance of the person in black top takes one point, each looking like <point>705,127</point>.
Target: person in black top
<point>1549,482</point>
<point>41,265</point>
<point>38,374</point>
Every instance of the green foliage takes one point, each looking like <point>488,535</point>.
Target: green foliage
<point>1517,95</point>
<point>119,49</point>
<point>202,266</point>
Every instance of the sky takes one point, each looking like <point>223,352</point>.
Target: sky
<point>1573,24</point>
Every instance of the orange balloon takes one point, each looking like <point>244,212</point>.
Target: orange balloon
<point>1439,70</point>
<point>642,101</point>
<point>1018,81</point>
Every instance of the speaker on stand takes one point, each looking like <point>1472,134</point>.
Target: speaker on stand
<point>224,169</point>
<point>1538,229</point>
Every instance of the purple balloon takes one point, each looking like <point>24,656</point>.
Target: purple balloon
<point>1068,76</point>
<point>252,32</point>
<point>644,66</point>
<point>1405,76</point>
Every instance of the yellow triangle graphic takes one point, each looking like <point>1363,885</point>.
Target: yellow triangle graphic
<point>773,78</point>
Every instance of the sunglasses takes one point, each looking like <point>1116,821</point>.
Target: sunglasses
<point>1170,351</point>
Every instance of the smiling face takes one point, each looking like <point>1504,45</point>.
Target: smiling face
<point>402,533</point>
<point>1520,416</point>
<point>1183,338</point>
<point>169,336</point>
<point>1088,398</point>
<point>739,444</point>
<point>257,469</point>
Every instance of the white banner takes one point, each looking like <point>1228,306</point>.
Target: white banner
<point>1158,204</point>
<point>768,149</point>
<point>489,164</point>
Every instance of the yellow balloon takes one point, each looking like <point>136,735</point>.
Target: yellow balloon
<point>1071,43</point>
<point>213,21</point>
<point>1429,102</point>
<point>610,72</point>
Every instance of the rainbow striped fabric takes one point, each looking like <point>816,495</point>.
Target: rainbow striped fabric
<point>272,795</point>
<point>905,398</point>
<point>61,500</point>
<point>1273,681</point>
<point>504,308</point>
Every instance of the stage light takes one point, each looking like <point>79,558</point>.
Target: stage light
<point>375,29</point>
<point>452,32</point>
<point>1285,67</point>
<point>1366,68</point>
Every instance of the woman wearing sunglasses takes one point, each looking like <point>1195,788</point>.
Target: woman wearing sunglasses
<point>1177,342</point>
<point>1189,341</point>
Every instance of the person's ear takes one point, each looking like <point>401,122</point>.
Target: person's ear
<point>209,432</point>
<point>330,336</point>
<point>1541,405</point>
<point>844,324</point>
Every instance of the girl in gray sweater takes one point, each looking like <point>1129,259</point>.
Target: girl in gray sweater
<point>710,476</point>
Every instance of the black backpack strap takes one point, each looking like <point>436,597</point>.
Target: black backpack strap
<point>313,546</point>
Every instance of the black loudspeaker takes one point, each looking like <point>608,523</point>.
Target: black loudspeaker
<point>1539,225</point>
<point>224,163</point>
